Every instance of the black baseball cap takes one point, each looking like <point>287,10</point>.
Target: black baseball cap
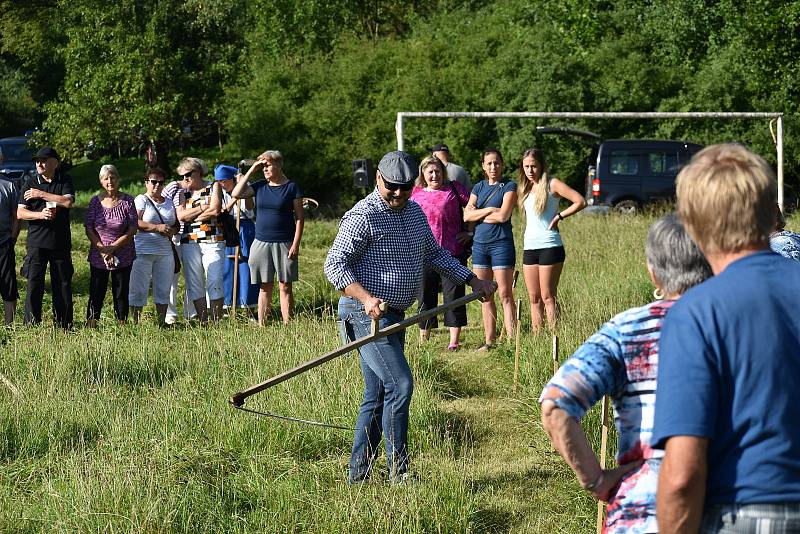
<point>46,152</point>
<point>440,147</point>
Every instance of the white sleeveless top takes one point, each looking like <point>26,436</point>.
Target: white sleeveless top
<point>536,233</point>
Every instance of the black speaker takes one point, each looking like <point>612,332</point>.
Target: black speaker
<point>363,175</point>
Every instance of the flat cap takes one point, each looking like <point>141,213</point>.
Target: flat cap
<point>398,167</point>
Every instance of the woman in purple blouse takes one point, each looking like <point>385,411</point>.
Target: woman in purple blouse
<point>442,201</point>
<point>111,223</point>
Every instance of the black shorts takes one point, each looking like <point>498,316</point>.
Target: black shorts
<point>544,256</point>
<point>8,274</point>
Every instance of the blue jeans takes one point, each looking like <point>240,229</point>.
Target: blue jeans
<point>388,386</point>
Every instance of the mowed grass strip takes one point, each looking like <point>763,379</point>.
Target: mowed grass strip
<point>128,429</point>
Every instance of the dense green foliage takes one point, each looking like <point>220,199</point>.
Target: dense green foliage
<point>323,80</point>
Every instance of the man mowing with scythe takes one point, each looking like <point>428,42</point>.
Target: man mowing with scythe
<point>379,255</point>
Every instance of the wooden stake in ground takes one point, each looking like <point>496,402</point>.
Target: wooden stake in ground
<point>603,451</point>
<point>516,343</point>
<point>555,354</point>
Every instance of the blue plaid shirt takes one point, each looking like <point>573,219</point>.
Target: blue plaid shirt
<point>387,251</point>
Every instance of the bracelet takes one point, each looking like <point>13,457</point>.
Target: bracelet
<point>593,486</point>
<point>560,217</point>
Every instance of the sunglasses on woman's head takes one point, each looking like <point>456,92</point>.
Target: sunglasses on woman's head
<point>394,187</point>
<point>156,182</point>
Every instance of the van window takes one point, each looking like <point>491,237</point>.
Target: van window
<point>624,162</point>
<point>664,163</point>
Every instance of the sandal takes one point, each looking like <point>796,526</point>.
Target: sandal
<point>453,347</point>
<point>486,347</point>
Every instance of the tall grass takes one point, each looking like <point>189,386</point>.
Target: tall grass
<point>127,428</point>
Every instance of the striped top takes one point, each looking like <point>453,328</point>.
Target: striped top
<point>110,224</point>
<point>621,360</point>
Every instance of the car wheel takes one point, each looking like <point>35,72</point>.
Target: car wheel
<point>627,207</point>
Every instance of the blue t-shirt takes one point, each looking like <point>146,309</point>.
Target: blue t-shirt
<point>490,232</point>
<point>275,221</point>
<point>729,371</point>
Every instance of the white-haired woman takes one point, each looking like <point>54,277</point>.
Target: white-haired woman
<point>111,222</point>
<point>621,360</point>
<point>202,242</point>
<point>279,229</point>
<point>543,250</point>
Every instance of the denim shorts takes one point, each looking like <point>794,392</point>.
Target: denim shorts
<point>495,255</point>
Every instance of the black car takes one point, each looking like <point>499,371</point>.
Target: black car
<point>627,174</point>
<point>17,159</point>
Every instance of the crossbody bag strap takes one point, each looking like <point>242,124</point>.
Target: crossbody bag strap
<point>157,213</point>
<point>502,184</point>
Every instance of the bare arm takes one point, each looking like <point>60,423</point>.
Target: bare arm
<point>564,191</point>
<point>505,211</point>
<point>242,188</point>
<point>472,213</point>
<point>161,228</point>
<point>25,214</point>
<point>570,441</point>
<point>214,207</point>
<point>64,201</point>
<point>299,224</point>
<point>357,291</point>
<point>202,212</point>
<point>682,485</point>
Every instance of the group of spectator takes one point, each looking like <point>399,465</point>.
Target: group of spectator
<point>144,242</point>
<point>478,223</point>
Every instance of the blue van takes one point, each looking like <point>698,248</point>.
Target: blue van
<point>627,174</point>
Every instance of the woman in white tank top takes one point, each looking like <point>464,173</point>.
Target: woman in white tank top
<point>543,256</point>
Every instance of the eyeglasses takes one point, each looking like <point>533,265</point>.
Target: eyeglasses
<point>156,182</point>
<point>394,187</point>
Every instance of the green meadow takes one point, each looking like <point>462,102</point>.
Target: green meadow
<point>128,428</point>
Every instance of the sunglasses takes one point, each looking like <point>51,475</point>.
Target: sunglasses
<point>394,187</point>
<point>41,161</point>
<point>188,175</point>
<point>156,182</point>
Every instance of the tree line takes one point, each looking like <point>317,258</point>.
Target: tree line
<point>322,80</point>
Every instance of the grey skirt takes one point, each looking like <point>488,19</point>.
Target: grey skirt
<point>268,259</point>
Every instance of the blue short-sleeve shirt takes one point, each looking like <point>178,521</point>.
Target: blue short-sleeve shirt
<point>275,220</point>
<point>492,196</point>
<point>729,371</point>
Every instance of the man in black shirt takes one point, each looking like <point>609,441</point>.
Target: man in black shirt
<point>45,201</point>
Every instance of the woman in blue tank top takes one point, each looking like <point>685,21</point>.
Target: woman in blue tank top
<point>543,256</point>
<point>490,206</point>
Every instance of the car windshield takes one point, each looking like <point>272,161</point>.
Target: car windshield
<point>16,151</point>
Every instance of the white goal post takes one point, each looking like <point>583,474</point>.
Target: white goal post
<point>771,116</point>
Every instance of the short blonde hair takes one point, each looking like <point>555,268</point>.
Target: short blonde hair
<point>191,165</point>
<point>726,199</point>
